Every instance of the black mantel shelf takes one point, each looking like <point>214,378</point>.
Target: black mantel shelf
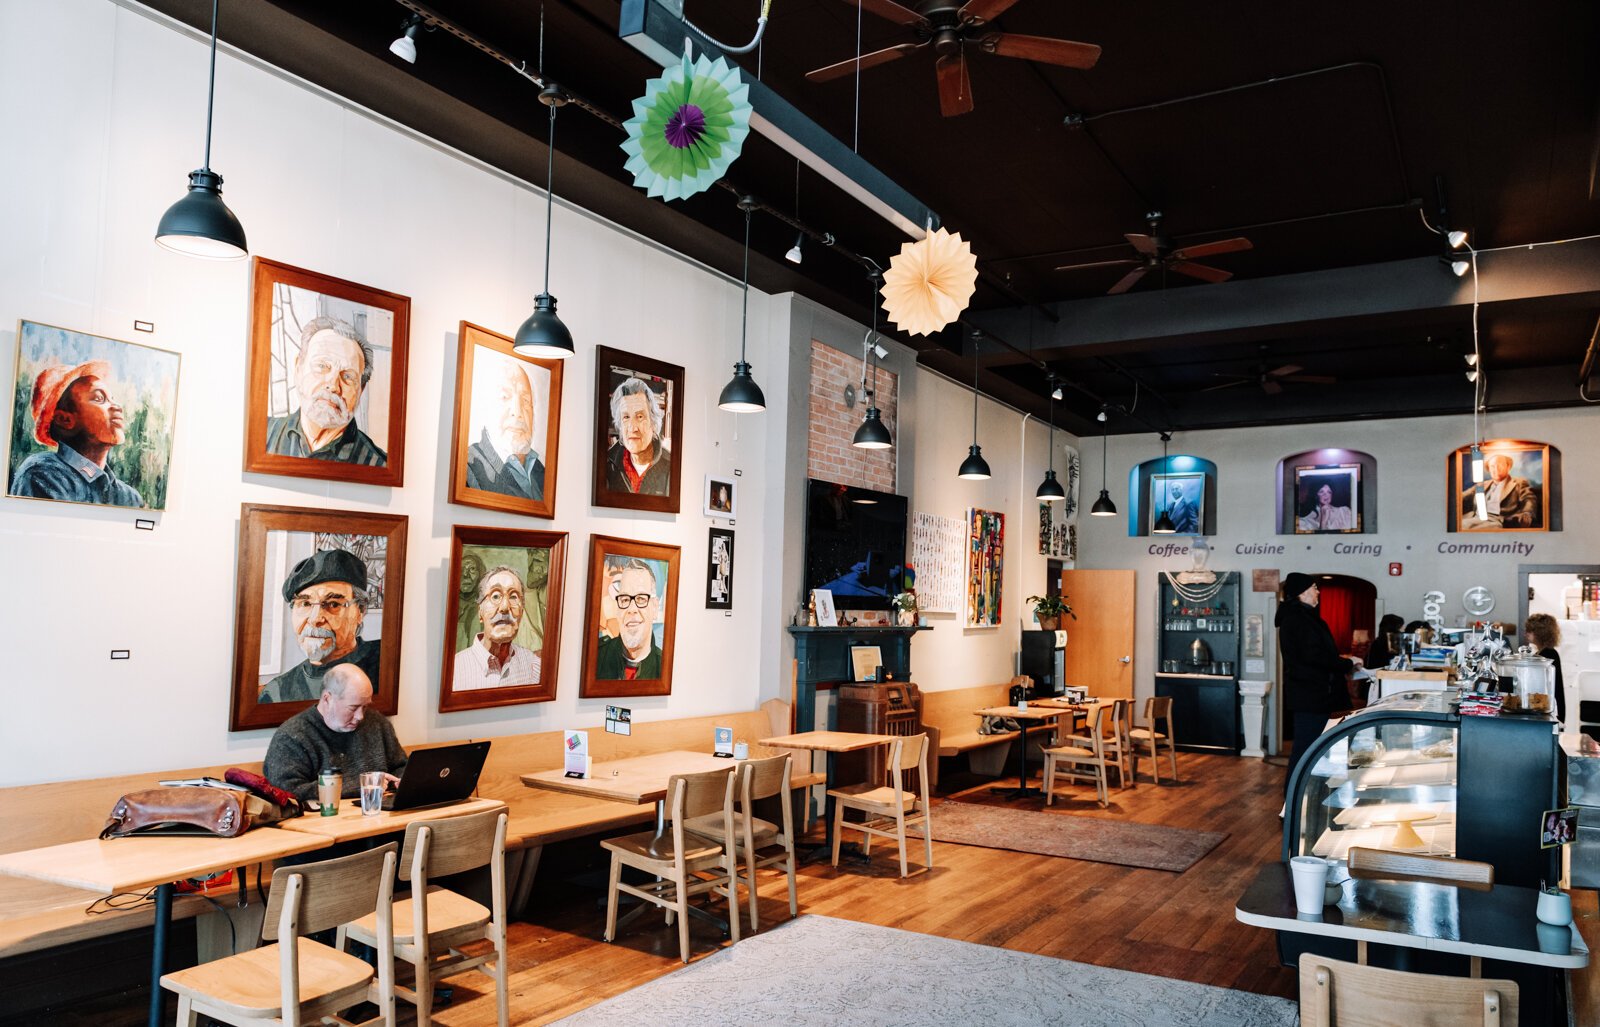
<point>822,657</point>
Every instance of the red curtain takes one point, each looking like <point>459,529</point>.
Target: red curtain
<point>1347,605</point>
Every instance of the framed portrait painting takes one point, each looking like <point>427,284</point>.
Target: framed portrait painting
<point>317,589</point>
<point>722,496</point>
<point>91,419</point>
<point>638,424</point>
<point>1327,499</point>
<point>327,386</point>
<point>507,426</point>
<point>719,570</point>
<point>1504,487</point>
<point>502,630</point>
<point>1183,497</point>
<point>632,606</point>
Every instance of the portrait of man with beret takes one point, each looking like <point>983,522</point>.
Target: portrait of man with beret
<point>327,597</point>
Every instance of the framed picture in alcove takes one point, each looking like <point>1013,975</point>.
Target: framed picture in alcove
<point>1183,497</point>
<point>1504,487</point>
<point>1327,499</point>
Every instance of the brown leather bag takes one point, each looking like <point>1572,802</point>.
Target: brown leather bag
<point>223,812</point>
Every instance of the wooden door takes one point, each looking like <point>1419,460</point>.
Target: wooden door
<point>1100,648</point>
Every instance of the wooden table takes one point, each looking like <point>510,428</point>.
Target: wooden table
<point>636,780</point>
<point>350,823</point>
<point>130,864</point>
<point>832,743</point>
<point>1036,713</point>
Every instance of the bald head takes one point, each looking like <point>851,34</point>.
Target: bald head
<point>346,694</point>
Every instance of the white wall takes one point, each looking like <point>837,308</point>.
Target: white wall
<point>104,108</point>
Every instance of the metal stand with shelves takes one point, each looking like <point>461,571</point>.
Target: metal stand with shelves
<point>1197,660</point>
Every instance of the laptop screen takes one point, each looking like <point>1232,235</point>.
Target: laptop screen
<point>444,773</point>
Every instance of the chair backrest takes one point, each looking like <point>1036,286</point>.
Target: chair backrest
<point>763,778</point>
<point>452,845</point>
<point>911,749</point>
<point>695,795</point>
<point>1382,864</point>
<point>1158,708</point>
<point>329,893</point>
<point>1332,992</point>
<point>1099,713</point>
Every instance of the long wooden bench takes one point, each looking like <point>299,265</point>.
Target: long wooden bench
<point>951,711</point>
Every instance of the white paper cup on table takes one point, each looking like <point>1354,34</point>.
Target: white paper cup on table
<point>741,750</point>
<point>372,784</point>
<point>1310,875</point>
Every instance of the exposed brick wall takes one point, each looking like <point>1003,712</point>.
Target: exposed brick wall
<point>832,424</point>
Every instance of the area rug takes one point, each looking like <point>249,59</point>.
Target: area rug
<point>817,970</point>
<point>1062,834</point>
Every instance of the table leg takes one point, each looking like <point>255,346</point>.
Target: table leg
<point>825,850</point>
<point>1022,791</point>
<point>158,953</point>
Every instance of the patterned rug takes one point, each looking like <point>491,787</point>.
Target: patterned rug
<point>1062,834</point>
<point>820,971</point>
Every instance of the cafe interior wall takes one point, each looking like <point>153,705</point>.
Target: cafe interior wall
<point>1411,458</point>
<point>112,123</point>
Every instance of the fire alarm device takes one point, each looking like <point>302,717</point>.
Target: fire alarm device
<point>1394,570</point>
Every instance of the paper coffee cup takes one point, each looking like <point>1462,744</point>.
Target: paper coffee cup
<point>1310,875</point>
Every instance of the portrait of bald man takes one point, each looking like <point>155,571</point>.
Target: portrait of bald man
<point>505,456</point>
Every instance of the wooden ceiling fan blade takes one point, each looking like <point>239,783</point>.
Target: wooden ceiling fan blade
<point>1310,379</point>
<point>890,10</point>
<point>1064,53</point>
<point>984,10</point>
<point>1200,271</point>
<point>1211,249</point>
<point>1270,386</point>
<point>1226,385</point>
<point>1145,244</point>
<point>1285,370</point>
<point>1127,281</point>
<point>871,60</point>
<point>955,88</point>
<point>1097,263</point>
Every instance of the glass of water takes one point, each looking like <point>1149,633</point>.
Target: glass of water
<point>372,785</point>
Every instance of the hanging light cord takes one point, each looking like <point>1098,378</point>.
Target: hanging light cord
<point>549,196</point>
<point>1052,427</point>
<point>211,91</point>
<point>1105,426</point>
<point>975,389</point>
<point>744,314</point>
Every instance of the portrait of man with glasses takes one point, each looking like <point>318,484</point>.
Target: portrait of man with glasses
<point>327,597</point>
<point>630,608</point>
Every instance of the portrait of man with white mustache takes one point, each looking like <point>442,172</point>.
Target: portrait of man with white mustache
<point>327,597</point>
<point>494,659</point>
<point>331,371</point>
<point>504,459</point>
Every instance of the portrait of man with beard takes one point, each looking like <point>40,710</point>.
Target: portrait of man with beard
<point>503,458</point>
<point>331,371</point>
<point>494,659</point>
<point>327,598</point>
<point>629,609</point>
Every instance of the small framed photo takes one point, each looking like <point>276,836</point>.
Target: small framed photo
<point>865,661</point>
<point>721,496</point>
<point>317,589</point>
<point>502,630</point>
<point>92,419</point>
<point>827,616</point>
<point>1183,497</point>
<point>1558,827</point>
<point>1255,630</point>
<point>327,390</point>
<point>638,424</point>
<point>507,426</point>
<point>632,604</point>
<point>1506,489</point>
<point>1327,499</point>
<point>719,570</point>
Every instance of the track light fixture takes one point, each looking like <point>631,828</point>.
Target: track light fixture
<point>974,467</point>
<point>1456,239</point>
<point>742,395</point>
<point>1457,266</point>
<point>1103,507</point>
<point>1050,490</point>
<point>1055,393</point>
<point>873,433</point>
<point>542,334</point>
<point>794,256</point>
<point>405,47</point>
<point>1163,524</point>
<point>200,224</point>
<point>1472,374</point>
<point>1471,359</point>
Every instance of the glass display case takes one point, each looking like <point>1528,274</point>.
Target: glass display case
<point>1197,660</point>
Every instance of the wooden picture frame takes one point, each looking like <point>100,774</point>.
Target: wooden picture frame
<point>519,574</point>
<point>1527,484</point>
<point>492,382</point>
<point>282,547</point>
<point>1189,513</point>
<point>609,628</point>
<point>298,316</point>
<point>719,570</point>
<point>620,383</point>
<point>1342,515</point>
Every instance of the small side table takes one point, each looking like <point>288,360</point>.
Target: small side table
<point>1037,715</point>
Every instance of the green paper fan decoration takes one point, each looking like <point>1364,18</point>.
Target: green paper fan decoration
<point>686,129</point>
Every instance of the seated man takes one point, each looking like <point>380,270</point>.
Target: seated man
<point>341,732</point>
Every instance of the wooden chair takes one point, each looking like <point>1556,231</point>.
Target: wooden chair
<point>757,843</point>
<point>1118,745</point>
<point>1156,732</point>
<point>890,804</point>
<point>680,857</point>
<point>431,924</point>
<point>1333,992</point>
<point>1386,865</point>
<point>296,980</point>
<point>1087,750</point>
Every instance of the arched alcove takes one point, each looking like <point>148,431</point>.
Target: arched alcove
<point>1194,478</point>
<point>1351,478</point>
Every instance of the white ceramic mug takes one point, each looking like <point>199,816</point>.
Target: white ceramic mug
<point>1310,875</point>
<point>741,750</point>
<point>1554,908</point>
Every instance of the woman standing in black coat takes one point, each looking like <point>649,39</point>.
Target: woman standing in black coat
<point>1313,671</point>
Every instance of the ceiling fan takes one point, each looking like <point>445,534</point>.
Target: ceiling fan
<point>952,28</point>
<point>1271,381</point>
<point>1156,252</point>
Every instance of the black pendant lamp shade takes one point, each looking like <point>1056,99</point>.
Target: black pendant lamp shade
<point>543,335</point>
<point>1163,524</point>
<point>742,395</point>
<point>873,433</point>
<point>200,224</point>
<point>1103,507</point>
<point>974,467</point>
<point>1050,490</point>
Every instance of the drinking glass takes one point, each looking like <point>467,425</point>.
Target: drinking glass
<point>372,792</point>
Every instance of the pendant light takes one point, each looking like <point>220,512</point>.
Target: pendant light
<point>974,467</point>
<point>200,224</point>
<point>1050,490</point>
<point>1163,524</point>
<point>543,335</point>
<point>873,433</point>
<point>1103,507</point>
<point>742,395</point>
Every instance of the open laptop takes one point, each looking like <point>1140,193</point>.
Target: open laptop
<point>438,776</point>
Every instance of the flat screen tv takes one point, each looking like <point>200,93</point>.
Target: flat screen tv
<point>855,544</point>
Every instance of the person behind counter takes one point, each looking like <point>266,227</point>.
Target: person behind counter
<point>1544,634</point>
<point>1380,653</point>
<point>340,731</point>
<point>1423,630</point>
<point>1313,671</point>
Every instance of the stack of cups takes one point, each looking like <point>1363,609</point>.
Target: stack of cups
<point>1310,880</point>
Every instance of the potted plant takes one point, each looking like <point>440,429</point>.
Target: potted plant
<point>1047,610</point>
<point>905,604</point>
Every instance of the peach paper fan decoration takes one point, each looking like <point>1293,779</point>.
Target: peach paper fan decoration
<point>929,283</point>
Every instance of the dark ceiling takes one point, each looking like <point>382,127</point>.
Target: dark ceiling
<point>1323,134</point>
